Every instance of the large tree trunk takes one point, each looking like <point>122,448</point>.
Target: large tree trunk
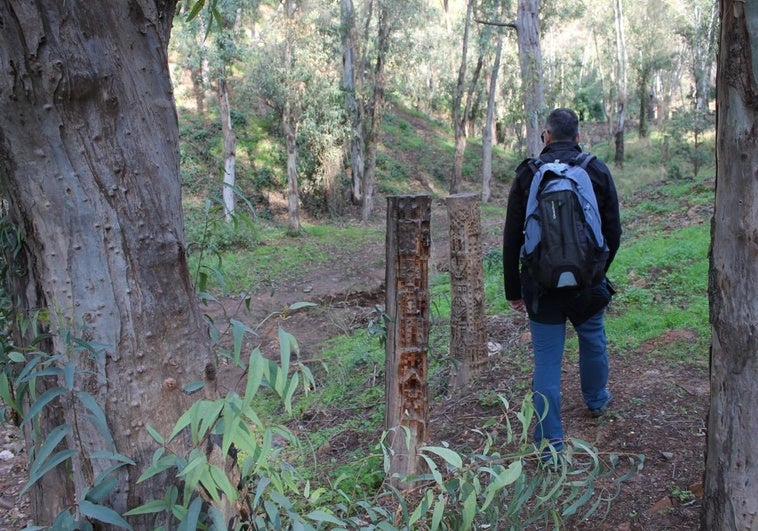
<point>351,99</point>
<point>530,59</point>
<point>731,467</point>
<point>89,166</point>
<point>230,148</point>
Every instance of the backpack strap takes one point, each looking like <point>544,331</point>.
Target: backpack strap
<point>583,160</point>
<point>534,164</point>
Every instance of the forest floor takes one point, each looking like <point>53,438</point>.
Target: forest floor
<point>659,407</point>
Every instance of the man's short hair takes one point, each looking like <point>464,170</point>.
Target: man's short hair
<point>563,124</point>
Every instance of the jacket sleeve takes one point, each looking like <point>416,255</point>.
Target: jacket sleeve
<point>608,204</point>
<point>513,235</point>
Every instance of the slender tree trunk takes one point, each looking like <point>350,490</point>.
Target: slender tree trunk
<point>621,84</point>
<point>731,467</point>
<point>489,125</point>
<point>644,99</point>
<point>373,118</point>
<point>230,148</point>
<point>89,165</point>
<point>459,113</point>
<point>530,60</point>
<point>293,194</point>
<point>198,90</point>
<point>351,100</point>
<point>703,44</point>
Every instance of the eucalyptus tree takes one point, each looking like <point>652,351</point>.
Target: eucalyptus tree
<point>731,468</point>
<point>653,47</point>
<point>89,168</point>
<point>622,64</point>
<point>350,80</point>
<point>293,72</point>
<point>369,32</point>
<point>701,41</point>
<point>530,60</point>
<point>460,108</point>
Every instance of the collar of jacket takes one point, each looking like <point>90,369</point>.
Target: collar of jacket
<point>561,146</point>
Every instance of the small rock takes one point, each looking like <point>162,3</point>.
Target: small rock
<point>667,455</point>
<point>6,455</point>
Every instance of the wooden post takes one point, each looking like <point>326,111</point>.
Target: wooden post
<point>407,308</point>
<point>468,327</point>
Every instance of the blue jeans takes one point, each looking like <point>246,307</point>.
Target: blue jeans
<point>549,341</point>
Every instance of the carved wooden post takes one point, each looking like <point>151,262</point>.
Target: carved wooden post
<point>468,327</point>
<point>407,279</point>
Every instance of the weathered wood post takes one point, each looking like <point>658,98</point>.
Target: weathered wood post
<point>407,308</point>
<point>468,327</point>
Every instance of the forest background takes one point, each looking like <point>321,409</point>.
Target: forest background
<point>263,108</point>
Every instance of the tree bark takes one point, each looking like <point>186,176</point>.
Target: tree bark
<point>230,147</point>
<point>351,100</point>
<point>89,166</point>
<point>703,53</point>
<point>293,194</point>
<point>530,60</point>
<point>488,129</point>
<point>373,115</point>
<point>731,468</point>
<point>459,113</point>
<point>621,84</point>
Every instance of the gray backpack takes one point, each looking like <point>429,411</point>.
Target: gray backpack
<point>564,247</point>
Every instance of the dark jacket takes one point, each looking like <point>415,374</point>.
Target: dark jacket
<point>513,237</point>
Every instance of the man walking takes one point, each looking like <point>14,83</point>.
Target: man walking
<point>548,309</point>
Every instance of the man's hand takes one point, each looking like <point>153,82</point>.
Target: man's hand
<point>518,305</point>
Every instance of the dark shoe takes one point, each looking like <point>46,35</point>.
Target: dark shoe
<point>602,410</point>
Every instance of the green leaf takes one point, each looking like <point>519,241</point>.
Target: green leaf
<point>500,480</point>
<point>223,483</point>
<point>193,387</point>
<point>6,395</point>
<point>439,511</point>
<point>45,468</point>
<point>52,440</point>
<point>469,510</point>
<point>434,470</point>
<point>98,492</point>
<point>44,399</point>
<point>421,509</point>
<point>451,457</point>
<point>16,357</point>
<point>195,9</point>
<point>153,506</point>
<point>97,418</point>
<point>217,518</point>
<point>154,434</point>
<point>193,514</point>
<point>69,371</point>
<point>322,516</point>
<point>103,514</point>
<point>299,305</point>
<point>161,465</point>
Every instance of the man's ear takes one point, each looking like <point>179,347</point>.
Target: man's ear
<point>578,138</point>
